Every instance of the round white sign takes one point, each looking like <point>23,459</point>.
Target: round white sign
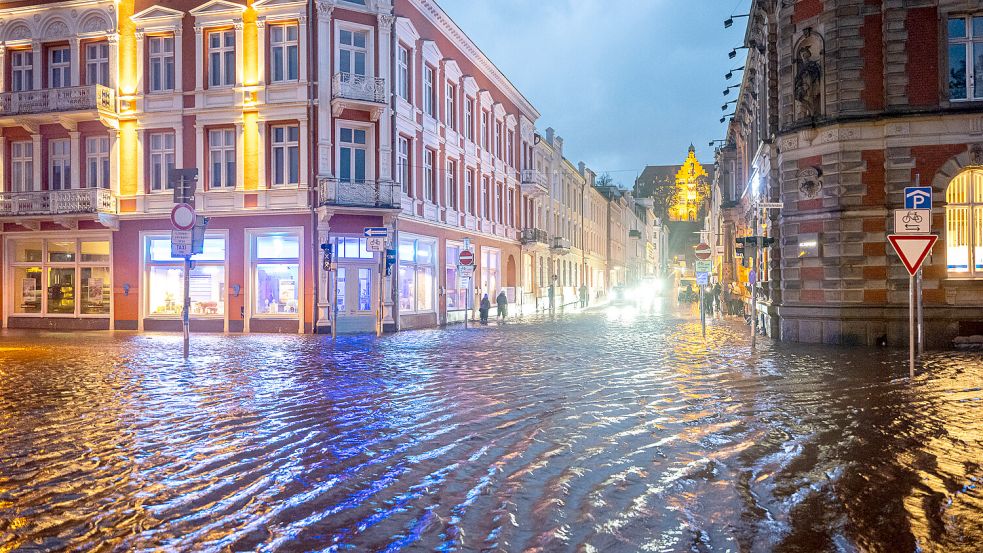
<point>183,217</point>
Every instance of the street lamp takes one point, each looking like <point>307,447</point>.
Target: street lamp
<point>730,74</point>
<point>727,90</point>
<point>733,53</point>
<point>722,119</point>
<point>729,22</point>
<point>724,107</point>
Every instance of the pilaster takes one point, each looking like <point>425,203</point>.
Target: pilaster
<point>36,165</point>
<point>76,65</point>
<point>75,154</point>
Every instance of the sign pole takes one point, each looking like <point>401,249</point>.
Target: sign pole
<point>754,287</point>
<point>920,314</point>
<point>186,312</point>
<point>911,326</point>
<point>703,313</point>
<point>333,298</point>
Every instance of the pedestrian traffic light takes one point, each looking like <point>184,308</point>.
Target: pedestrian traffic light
<point>326,258</point>
<point>390,261</point>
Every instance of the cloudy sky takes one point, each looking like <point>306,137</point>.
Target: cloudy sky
<point>626,83</point>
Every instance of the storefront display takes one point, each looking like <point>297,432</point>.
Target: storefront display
<point>61,277</point>
<point>276,266</point>
<point>165,279</point>
<point>416,275</point>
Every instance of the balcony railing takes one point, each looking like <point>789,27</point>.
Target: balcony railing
<point>359,193</point>
<point>72,98</point>
<point>351,86</point>
<point>533,236</point>
<point>560,244</point>
<point>57,202</point>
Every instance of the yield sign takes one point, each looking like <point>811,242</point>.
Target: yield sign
<point>912,249</point>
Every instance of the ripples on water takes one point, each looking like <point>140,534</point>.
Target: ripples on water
<point>617,432</point>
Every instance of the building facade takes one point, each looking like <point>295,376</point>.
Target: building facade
<point>843,104</point>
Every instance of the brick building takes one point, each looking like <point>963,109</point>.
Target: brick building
<point>843,104</point>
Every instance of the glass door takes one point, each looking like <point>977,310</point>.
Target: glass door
<point>355,297</point>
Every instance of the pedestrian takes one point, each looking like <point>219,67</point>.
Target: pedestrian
<point>715,295</point>
<point>725,301</point>
<point>708,302</point>
<point>583,296</point>
<point>551,294</point>
<point>483,309</point>
<point>503,305</point>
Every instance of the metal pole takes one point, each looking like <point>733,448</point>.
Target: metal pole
<point>382,275</point>
<point>186,315</point>
<point>754,286</point>
<point>333,300</point>
<point>703,313</point>
<point>920,315</point>
<point>911,326</point>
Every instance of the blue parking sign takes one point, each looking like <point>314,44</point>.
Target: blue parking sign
<point>918,197</point>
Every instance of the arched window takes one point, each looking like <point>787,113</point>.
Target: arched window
<point>964,224</point>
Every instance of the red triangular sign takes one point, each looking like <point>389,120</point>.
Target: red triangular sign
<point>912,249</point>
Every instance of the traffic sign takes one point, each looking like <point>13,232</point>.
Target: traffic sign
<point>463,282</point>
<point>703,251</point>
<point>918,197</point>
<point>770,205</point>
<point>912,249</point>
<point>912,221</point>
<point>184,183</point>
<point>702,279</point>
<point>465,271</point>
<point>466,257</point>
<point>703,266</point>
<point>181,241</point>
<point>375,232</point>
<point>183,217</point>
<point>198,235</point>
<point>376,244</point>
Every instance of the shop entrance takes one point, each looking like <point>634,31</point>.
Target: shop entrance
<point>356,297</point>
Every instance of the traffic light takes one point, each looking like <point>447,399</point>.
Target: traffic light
<point>390,261</point>
<point>767,241</point>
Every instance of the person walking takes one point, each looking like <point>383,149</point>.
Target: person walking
<point>583,296</point>
<point>715,295</point>
<point>503,305</point>
<point>551,294</point>
<point>483,309</point>
<point>725,301</point>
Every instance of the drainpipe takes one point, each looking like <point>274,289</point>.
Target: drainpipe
<point>311,157</point>
<point>394,141</point>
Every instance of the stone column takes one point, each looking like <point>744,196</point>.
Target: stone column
<point>36,161</point>
<point>37,64</point>
<point>261,49</point>
<point>239,52</point>
<point>178,62</point>
<point>200,151</point>
<point>142,148</point>
<point>302,48</point>
<point>76,67</point>
<point>240,147</point>
<point>141,55</point>
<point>324,10</point>
<point>3,79</point>
<point>179,144</point>
<point>113,41</point>
<point>199,64</point>
<point>3,154</point>
<point>75,155</point>
<point>114,160</point>
<point>303,170</point>
<point>386,23</point>
<point>262,181</point>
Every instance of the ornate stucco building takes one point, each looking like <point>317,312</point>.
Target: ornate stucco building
<point>842,105</point>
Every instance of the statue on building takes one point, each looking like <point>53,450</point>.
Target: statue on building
<point>808,77</point>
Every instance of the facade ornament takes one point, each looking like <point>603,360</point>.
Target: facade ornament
<point>976,154</point>
<point>386,20</point>
<point>138,35</point>
<point>19,32</point>
<point>198,29</point>
<point>112,38</point>
<point>237,24</point>
<point>810,181</point>
<point>324,8</point>
<point>808,89</point>
<point>261,22</point>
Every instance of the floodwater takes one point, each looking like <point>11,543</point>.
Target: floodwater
<point>609,431</point>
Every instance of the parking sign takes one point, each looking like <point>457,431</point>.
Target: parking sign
<point>918,197</point>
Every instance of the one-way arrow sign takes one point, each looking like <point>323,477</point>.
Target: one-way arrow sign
<point>912,249</point>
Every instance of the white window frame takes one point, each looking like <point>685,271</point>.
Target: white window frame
<point>61,69</point>
<point>428,91</point>
<point>484,131</point>
<point>22,66</point>
<point>146,264</point>
<point>451,180</point>
<point>222,148</point>
<point>415,265</point>
<point>280,50</point>
<point>510,148</point>
<point>368,146</point>
<point>60,160</point>
<point>286,146</point>
<point>469,118</point>
<point>469,196</point>
<point>97,63</point>
<point>227,77</point>
<point>969,44</point>
<point>403,72</point>
<point>97,157</point>
<point>22,167</point>
<point>498,139</point>
<point>164,60</point>
<point>403,172</point>
<point>161,155</point>
<point>429,184</point>
<point>450,105</point>
<point>369,45</point>
<point>969,223</point>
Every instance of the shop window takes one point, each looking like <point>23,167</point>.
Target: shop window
<point>61,277</point>
<point>964,225</point>
<point>352,248</point>
<point>416,275</point>
<point>454,293</point>
<point>165,279</point>
<point>341,287</point>
<point>276,262</point>
<point>491,260</point>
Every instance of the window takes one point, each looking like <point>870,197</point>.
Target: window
<point>428,93</point>
<point>450,108</point>
<point>469,191</point>
<point>491,260</point>
<point>429,186</point>
<point>416,275</point>
<point>222,158</point>
<point>276,262</point>
<point>403,74</point>
<point>221,58</point>
<point>510,207</point>
<point>286,155</point>
<point>21,70</point>
<point>22,167</point>
<point>59,67</point>
<point>97,161</point>
<point>61,277</point>
<point>161,160</point>
<point>498,139</point>
<point>353,51</point>
<point>352,161</point>
<point>352,248</point>
<point>510,148</point>
<point>484,131</point>
<point>455,293</point>
<point>284,47</point>
<point>97,63</point>
<point>165,279</point>
<point>403,164</point>
<point>452,184</point>
<point>59,164</point>
<point>161,63</point>
<point>966,58</point>
<point>964,224</point>
<point>485,198</point>
<point>469,119</point>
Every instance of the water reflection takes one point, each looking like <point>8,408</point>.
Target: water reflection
<point>616,431</point>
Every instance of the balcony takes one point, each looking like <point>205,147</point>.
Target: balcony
<point>358,194</point>
<point>352,91</point>
<point>560,245</point>
<point>533,236</point>
<point>57,202</point>
<point>534,183</point>
<point>96,98</point>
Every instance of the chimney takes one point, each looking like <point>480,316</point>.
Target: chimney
<point>580,167</point>
<point>550,133</point>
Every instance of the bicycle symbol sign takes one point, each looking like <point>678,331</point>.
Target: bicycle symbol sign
<point>912,221</point>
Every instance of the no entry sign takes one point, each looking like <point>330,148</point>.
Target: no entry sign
<point>703,252</point>
<point>466,258</point>
<point>183,217</point>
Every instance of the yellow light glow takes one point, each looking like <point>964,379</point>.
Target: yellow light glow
<point>128,154</point>
<point>250,63</point>
<point>127,49</point>
<point>250,146</point>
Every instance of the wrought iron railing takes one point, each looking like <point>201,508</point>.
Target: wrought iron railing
<point>533,235</point>
<point>57,202</point>
<point>560,244</point>
<point>72,98</point>
<point>359,193</point>
<point>359,87</point>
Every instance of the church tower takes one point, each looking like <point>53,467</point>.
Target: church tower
<point>689,198</point>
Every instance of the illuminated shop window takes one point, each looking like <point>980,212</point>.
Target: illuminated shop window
<point>276,274</point>
<point>455,293</point>
<point>964,225</point>
<point>61,277</point>
<point>416,275</point>
<point>165,279</point>
<point>490,269</point>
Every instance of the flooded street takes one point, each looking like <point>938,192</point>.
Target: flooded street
<point>606,431</point>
